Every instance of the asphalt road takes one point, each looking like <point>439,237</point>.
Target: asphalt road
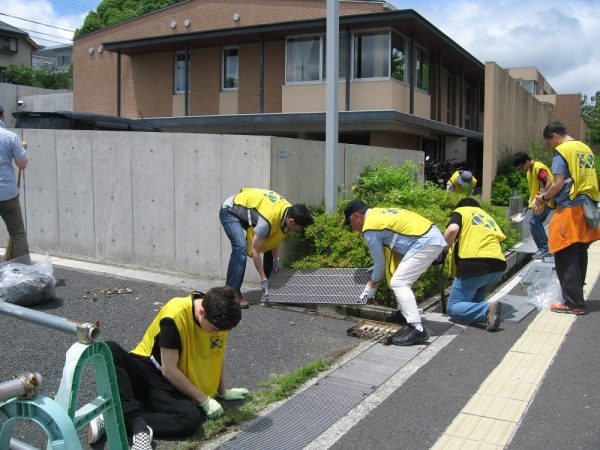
<point>267,341</point>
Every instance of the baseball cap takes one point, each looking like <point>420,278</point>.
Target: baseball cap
<point>465,178</point>
<point>352,207</point>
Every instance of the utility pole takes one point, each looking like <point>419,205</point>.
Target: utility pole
<point>331,112</point>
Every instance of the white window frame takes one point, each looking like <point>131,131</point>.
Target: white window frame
<point>299,36</point>
<point>237,75</point>
<point>428,69</point>
<point>406,57</point>
<point>175,90</point>
<point>372,31</point>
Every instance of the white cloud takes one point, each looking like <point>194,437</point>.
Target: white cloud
<point>44,12</point>
<point>559,38</point>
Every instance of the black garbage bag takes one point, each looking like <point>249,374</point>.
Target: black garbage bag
<point>26,285</point>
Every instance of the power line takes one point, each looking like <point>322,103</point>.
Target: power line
<point>48,40</point>
<point>73,4</point>
<point>39,23</point>
<point>46,34</point>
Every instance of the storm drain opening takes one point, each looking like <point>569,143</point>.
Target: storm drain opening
<point>373,330</point>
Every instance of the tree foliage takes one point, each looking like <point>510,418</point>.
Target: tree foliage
<point>42,77</point>
<point>591,117</point>
<point>112,12</point>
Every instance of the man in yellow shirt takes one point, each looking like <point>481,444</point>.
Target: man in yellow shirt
<point>539,179</point>
<point>575,183</point>
<point>461,182</point>
<point>170,381</point>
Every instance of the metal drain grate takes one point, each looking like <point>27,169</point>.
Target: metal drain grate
<point>301,420</point>
<point>332,286</point>
<point>538,272</point>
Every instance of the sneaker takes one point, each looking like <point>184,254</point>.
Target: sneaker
<point>540,254</point>
<point>244,304</point>
<point>142,440</point>
<point>493,316</point>
<point>412,336</point>
<point>564,308</point>
<point>96,429</point>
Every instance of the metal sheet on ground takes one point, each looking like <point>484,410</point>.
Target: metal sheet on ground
<point>541,272</point>
<point>331,286</point>
<point>515,308</point>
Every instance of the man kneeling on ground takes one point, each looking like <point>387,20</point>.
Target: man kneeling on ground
<point>176,368</point>
<point>477,263</point>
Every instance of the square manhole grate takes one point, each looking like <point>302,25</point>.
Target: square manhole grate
<point>331,286</point>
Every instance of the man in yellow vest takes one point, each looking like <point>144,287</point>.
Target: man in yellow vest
<point>267,218</point>
<point>575,183</point>
<point>403,244</point>
<point>170,381</point>
<point>539,179</point>
<point>477,264</point>
<point>461,182</point>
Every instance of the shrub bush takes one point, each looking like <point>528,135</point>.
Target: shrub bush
<point>511,181</point>
<point>329,244</point>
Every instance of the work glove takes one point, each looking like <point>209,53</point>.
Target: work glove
<point>368,293</point>
<point>276,265</point>
<point>370,270</point>
<point>212,408</point>
<point>265,289</point>
<point>234,394</point>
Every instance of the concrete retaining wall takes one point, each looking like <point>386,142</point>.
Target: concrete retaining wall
<point>152,199</point>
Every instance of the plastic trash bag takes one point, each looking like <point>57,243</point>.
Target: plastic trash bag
<point>26,285</point>
<point>542,293</point>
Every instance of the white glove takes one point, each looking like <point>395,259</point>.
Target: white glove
<point>234,394</point>
<point>212,408</point>
<point>369,292</point>
<point>276,265</point>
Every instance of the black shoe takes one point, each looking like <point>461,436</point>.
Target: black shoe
<point>411,337</point>
<point>493,316</point>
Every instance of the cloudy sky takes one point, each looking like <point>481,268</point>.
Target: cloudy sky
<point>559,37</point>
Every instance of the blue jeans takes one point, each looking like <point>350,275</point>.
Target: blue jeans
<point>536,224</point>
<point>237,261</point>
<point>467,297</point>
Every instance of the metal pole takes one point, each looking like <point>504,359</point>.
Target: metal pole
<point>25,385</point>
<point>331,113</point>
<point>119,83</point>
<point>85,332</point>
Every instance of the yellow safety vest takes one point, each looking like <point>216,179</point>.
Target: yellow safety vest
<point>270,206</point>
<point>479,236</point>
<point>401,221</point>
<point>201,352</point>
<point>457,187</point>
<point>534,181</point>
<point>580,161</point>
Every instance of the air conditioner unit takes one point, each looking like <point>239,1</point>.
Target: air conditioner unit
<point>5,44</point>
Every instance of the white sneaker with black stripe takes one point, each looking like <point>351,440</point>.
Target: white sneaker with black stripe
<point>143,440</point>
<point>96,429</point>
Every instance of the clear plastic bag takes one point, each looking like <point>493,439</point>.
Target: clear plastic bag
<point>26,285</point>
<point>542,293</point>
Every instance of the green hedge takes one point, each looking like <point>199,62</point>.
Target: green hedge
<point>329,244</point>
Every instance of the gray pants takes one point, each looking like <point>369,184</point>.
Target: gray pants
<point>10,210</point>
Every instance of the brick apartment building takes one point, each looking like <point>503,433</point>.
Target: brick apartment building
<point>258,67</point>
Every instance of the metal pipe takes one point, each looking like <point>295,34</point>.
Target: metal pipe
<point>331,105</point>
<point>25,385</point>
<point>85,332</point>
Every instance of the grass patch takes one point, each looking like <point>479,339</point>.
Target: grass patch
<point>276,388</point>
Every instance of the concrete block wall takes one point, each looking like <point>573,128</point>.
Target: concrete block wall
<point>152,199</point>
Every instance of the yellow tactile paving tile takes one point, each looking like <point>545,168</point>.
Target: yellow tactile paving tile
<point>535,348</point>
<point>516,390</point>
<point>527,375</point>
<point>447,442</point>
<point>527,360</point>
<point>550,322</point>
<point>482,429</point>
<point>542,337</point>
<point>495,407</point>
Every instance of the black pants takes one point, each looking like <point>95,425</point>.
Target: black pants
<point>147,394</point>
<point>571,267</point>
